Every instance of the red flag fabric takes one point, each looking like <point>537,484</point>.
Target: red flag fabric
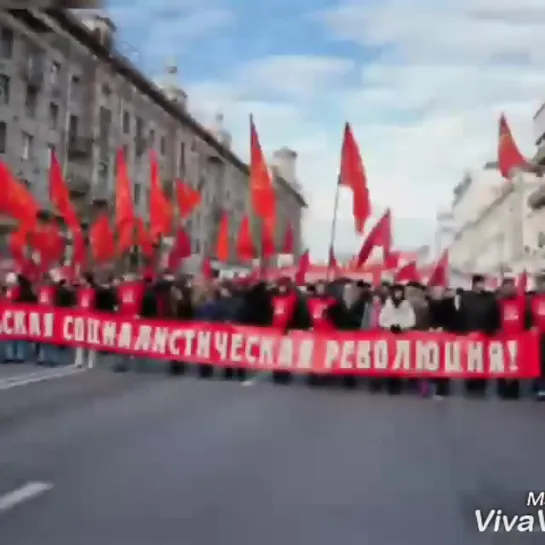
<point>17,245</point>
<point>101,240</point>
<point>407,273</point>
<point>380,235</point>
<point>302,268</point>
<point>124,208</point>
<point>60,196</point>
<point>48,241</point>
<point>289,240</point>
<point>509,156</point>
<point>440,273</point>
<point>268,248</point>
<point>161,213</point>
<point>188,198</point>
<point>245,244</point>
<point>222,245</point>
<point>16,200</point>
<point>180,250</point>
<point>391,260</point>
<point>143,239</point>
<point>207,270</point>
<point>522,283</point>
<point>353,176</point>
<point>262,192</point>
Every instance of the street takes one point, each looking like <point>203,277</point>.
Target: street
<point>147,459</point>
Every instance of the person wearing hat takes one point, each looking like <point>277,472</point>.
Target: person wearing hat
<point>397,315</point>
<point>479,313</point>
<point>290,311</point>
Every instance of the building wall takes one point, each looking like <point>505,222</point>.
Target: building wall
<point>505,236</point>
<point>88,106</point>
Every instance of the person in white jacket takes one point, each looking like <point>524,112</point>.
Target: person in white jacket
<point>397,315</point>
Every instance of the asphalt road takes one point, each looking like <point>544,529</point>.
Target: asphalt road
<point>152,460</point>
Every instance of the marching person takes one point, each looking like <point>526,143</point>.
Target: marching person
<point>479,313</point>
<point>86,299</point>
<point>397,315</point>
<point>290,312</point>
<point>442,315</point>
<point>515,316</point>
<point>537,306</point>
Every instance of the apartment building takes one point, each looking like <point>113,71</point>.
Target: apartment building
<point>65,86</point>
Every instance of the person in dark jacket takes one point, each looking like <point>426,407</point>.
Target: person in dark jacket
<point>442,316</point>
<point>479,313</point>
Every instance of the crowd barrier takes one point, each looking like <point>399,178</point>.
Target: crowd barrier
<point>414,354</point>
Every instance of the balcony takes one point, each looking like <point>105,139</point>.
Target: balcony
<point>79,147</point>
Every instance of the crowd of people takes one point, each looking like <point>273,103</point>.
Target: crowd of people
<point>342,304</point>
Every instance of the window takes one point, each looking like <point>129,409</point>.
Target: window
<point>4,89</point>
<point>151,141</point>
<point>163,145</point>
<point>53,115</point>
<point>31,101</point>
<point>3,136</point>
<point>139,127</point>
<point>126,122</point>
<point>137,194</point>
<point>50,150</point>
<point>181,160</point>
<point>73,123</point>
<point>541,239</point>
<point>126,151</point>
<point>27,151</point>
<point>106,90</point>
<point>6,43</point>
<point>75,86</point>
<point>54,73</point>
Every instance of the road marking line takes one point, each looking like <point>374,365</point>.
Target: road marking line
<point>254,380</point>
<point>23,381</point>
<point>25,493</point>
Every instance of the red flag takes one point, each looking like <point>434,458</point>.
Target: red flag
<point>262,192</point>
<point>353,176</point>
<point>101,240</point>
<point>48,241</point>
<point>143,239</point>
<point>180,249</point>
<point>161,213</point>
<point>60,196</point>
<point>188,198</point>
<point>391,260</point>
<point>509,156</point>
<point>16,200</point>
<point>124,209</point>
<point>380,235</point>
<point>289,241</point>
<point>439,274</point>
<point>522,283</point>
<point>222,245</point>
<point>302,268</point>
<point>17,246</point>
<point>245,244</point>
<point>407,273</point>
<point>207,270</point>
<point>268,248</point>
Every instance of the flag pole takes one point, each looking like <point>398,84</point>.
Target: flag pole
<point>333,230</point>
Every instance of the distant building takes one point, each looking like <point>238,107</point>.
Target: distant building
<point>64,85</point>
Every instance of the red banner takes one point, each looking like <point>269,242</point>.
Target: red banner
<point>220,344</point>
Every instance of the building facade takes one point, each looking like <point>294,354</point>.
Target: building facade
<point>496,231</point>
<point>65,87</point>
